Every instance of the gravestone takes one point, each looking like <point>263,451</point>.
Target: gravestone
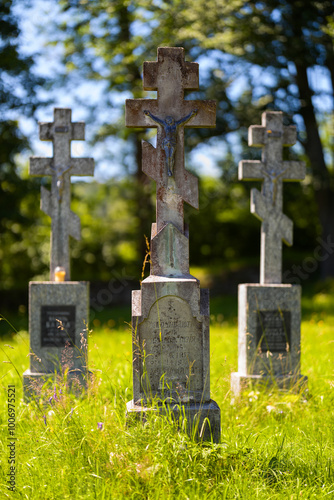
<point>270,312</point>
<point>58,309</point>
<point>170,314</point>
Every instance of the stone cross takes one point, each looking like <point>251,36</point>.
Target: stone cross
<point>170,75</point>
<point>56,203</point>
<point>268,205</point>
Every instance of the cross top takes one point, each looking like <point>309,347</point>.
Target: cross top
<point>60,167</point>
<point>170,75</point>
<point>268,205</point>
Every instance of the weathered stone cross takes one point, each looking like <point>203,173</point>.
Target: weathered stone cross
<point>57,203</point>
<point>268,205</point>
<point>170,75</point>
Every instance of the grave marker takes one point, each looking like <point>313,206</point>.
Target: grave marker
<point>57,203</point>
<point>269,312</point>
<point>58,309</point>
<point>170,314</point>
<point>268,205</point>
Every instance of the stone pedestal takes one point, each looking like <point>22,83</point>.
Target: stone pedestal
<point>269,337</point>
<point>171,351</point>
<point>58,323</point>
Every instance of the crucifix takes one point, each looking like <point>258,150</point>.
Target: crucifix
<point>57,203</point>
<point>170,113</point>
<point>267,205</point>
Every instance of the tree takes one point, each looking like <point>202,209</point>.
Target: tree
<point>100,44</point>
<point>261,56</point>
<point>18,89</point>
<point>277,44</point>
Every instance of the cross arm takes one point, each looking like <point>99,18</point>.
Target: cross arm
<point>175,55</point>
<point>134,112</point>
<point>257,135</point>
<point>74,226</point>
<point>46,131</point>
<point>205,116</point>
<point>78,131</point>
<point>135,117</point>
<point>294,170</point>
<point>75,131</point>
<point>282,223</point>
<point>250,170</point>
<point>289,135</point>
<point>82,166</point>
<point>40,166</point>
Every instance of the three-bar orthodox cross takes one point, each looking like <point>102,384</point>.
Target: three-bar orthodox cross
<point>170,75</point>
<point>57,203</point>
<point>268,205</point>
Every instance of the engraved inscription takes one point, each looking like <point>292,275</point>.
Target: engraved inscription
<point>61,130</point>
<point>274,133</point>
<point>273,331</point>
<point>54,333</point>
<point>172,340</point>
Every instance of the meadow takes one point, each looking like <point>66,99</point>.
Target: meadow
<point>274,445</point>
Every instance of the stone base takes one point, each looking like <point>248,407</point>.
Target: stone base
<point>203,419</point>
<point>269,319</point>
<point>33,382</point>
<point>58,319</point>
<point>54,343</point>
<point>240,383</point>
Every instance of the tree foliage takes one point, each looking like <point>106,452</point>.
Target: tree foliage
<point>278,47</point>
<point>258,55</point>
<point>254,56</point>
<point>18,89</point>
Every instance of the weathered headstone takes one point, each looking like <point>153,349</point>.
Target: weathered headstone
<point>170,314</point>
<point>58,309</point>
<point>269,312</point>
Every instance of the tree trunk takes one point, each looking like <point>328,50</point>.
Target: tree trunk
<point>323,183</point>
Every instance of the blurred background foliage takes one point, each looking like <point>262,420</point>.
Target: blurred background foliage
<point>254,56</point>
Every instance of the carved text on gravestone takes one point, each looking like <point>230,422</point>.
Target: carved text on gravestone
<point>57,325</point>
<point>273,330</point>
<point>172,340</point>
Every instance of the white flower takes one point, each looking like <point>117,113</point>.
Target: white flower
<point>270,408</point>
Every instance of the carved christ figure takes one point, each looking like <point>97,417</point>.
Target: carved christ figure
<point>170,127</point>
<point>60,171</point>
<point>273,178</point>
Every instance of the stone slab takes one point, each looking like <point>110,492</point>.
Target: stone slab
<point>203,419</point>
<point>50,302</point>
<point>169,252</point>
<point>171,352</point>
<point>269,335</point>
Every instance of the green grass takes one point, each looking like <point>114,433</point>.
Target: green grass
<point>273,445</point>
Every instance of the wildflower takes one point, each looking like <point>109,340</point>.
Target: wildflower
<point>270,408</point>
<point>100,425</point>
<point>44,418</point>
<point>50,400</point>
<point>71,413</point>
